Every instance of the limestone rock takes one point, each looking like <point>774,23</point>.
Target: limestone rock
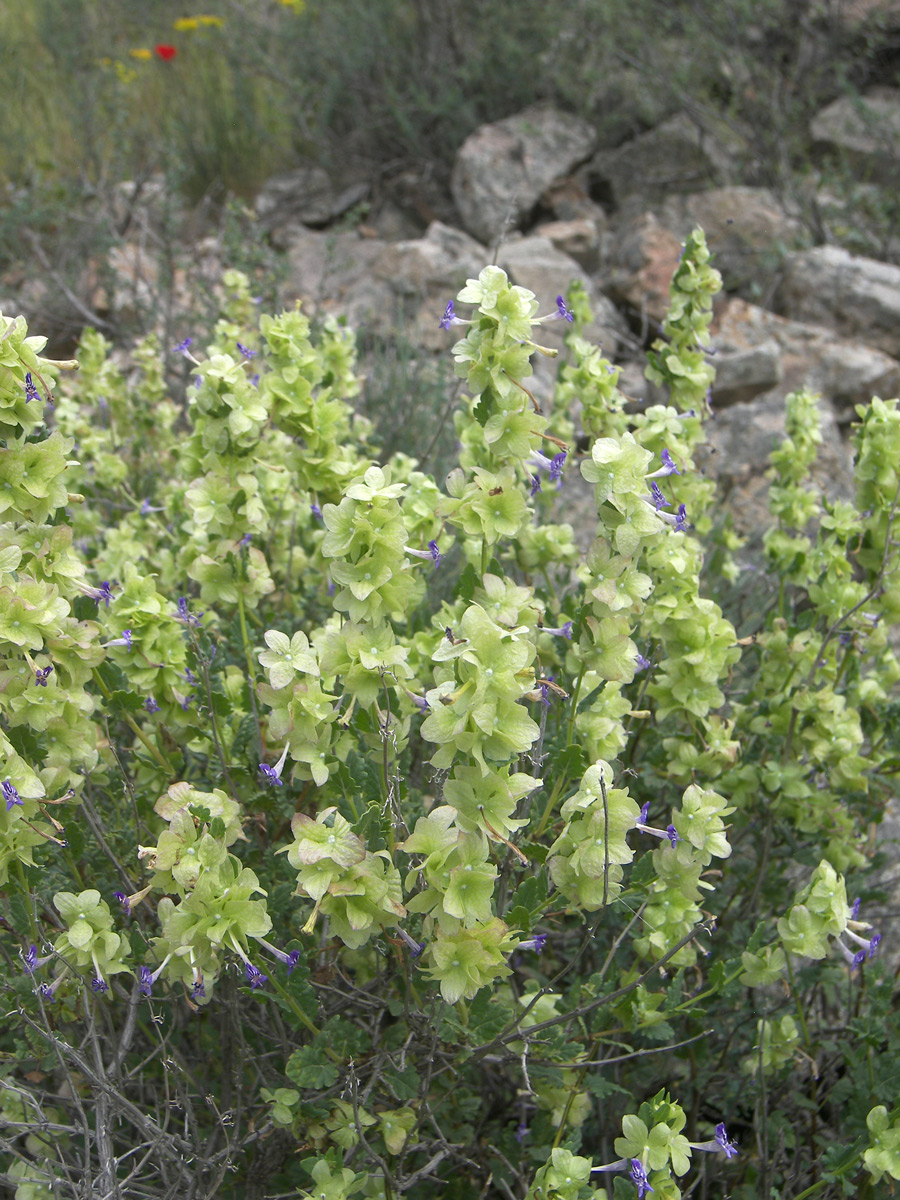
<point>579,238</point>
<point>306,195</point>
<point>336,274</point>
<point>864,131</point>
<point>857,297</point>
<point>424,273</point>
<point>501,169</point>
<point>845,372</point>
<point>743,374</point>
<point>676,156</point>
<point>644,257</point>
<point>744,226</point>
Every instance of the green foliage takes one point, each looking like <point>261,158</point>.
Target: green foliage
<point>549,815</point>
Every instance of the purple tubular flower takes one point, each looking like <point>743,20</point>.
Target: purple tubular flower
<point>561,631</point>
<point>420,702</point>
<point>521,1132</point>
<point>103,594</point>
<point>273,774</point>
<point>641,663</point>
<point>450,318</point>
<point>563,313</point>
<point>41,675</point>
<point>556,466</point>
<point>316,511</point>
<point>151,705</point>
<point>544,689</point>
<point>255,977</point>
<point>198,991</point>
<point>254,379</point>
<point>31,392</point>
<point>681,525</point>
<point>30,959</point>
<point>145,986</point>
<point>535,484</point>
<point>415,948</point>
<point>11,796</point>
<point>729,1148</point>
<point>869,945</point>
<point>436,556</point>
<point>245,350</point>
<point>639,1178</point>
<point>123,900</point>
<point>48,990</point>
<point>669,832</point>
<point>854,909</point>
<point>657,498</point>
<point>99,985</point>
<point>182,347</point>
<point>289,960</point>
<point>535,943</point>
<point>721,1144</point>
<point>668,464</point>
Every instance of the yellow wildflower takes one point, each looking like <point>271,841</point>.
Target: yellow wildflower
<point>184,24</point>
<point>124,74</point>
<point>297,5</point>
<point>144,55</point>
<point>217,21</point>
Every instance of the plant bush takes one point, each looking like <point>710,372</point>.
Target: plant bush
<point>363,836</point>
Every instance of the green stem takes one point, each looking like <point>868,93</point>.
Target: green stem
<point>138,732</point>
<point>26,892</point>
<point>251,668</point>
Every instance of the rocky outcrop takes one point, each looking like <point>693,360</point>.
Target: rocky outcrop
<point>679,155</point>
<point>864,131</point>
<point>501,169</point>
<point>856,297</point>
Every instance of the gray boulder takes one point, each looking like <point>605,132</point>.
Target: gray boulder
<point>864,131</point>
<point>744,226</point>
<point>501,169</point>
<point>677,156</point>
<point>856,297</point>
<point>844,372</point>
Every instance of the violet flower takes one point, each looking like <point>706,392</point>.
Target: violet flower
<point>31,392</point>
<point>721,1144</point>
<point>289,960</point>
<point>450,318</point>
<point>272,775</point>
<point>255,977</point>
<point>668,466</point>
<point>246,351</point>
<point>11,796</point>
<point>669,832</point>
<point>415,948</point>
<point>41,675</point>
<point>151,705</point>
<point>562,631</point>
<point>535,943</point>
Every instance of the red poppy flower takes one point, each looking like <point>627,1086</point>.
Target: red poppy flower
<point>166,52</point>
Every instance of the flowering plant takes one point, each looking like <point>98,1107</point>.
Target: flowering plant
<point>393,792</point>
